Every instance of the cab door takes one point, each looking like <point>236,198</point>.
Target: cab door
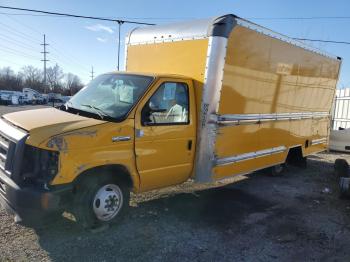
<point>165,133</point>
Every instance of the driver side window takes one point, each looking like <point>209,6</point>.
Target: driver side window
<point>168,105</point>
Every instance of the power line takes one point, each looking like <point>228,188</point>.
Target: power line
<point>67,64</point>
<point>75,16</point>
<point>16,43</point>
<point>187,18</point>
<point>119,21</point>
<point>25,25</point>
<point>60,54</point>
<point>10,62</point>
<point>68,58</point>
<point>62,60</point>
<point>18,33</point>
<point>17,52</point>
<point>109,17</point>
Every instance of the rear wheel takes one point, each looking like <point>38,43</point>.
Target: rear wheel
<point>341,168</point>
<point>100,201</point>
<point>276,170</point>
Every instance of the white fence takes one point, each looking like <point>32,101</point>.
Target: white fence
<point>341,109</point>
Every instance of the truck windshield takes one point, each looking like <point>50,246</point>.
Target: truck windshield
<point>110,96</point>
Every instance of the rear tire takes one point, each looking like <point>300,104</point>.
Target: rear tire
<point>341,168</point>
<point>276,170</point>
<point>100,200</point>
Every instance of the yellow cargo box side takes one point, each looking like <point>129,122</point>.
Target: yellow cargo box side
<point>260,95</point>
<point>275,96</point>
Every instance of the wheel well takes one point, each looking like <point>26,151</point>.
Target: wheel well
<point>295,156</point>
<point>115,171</point>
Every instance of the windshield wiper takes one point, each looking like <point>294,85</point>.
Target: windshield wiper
<point>98,111</point>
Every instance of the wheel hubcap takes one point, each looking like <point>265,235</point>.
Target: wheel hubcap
<point>107,202</point>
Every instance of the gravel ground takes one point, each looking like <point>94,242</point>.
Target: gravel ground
<point>249,218</point>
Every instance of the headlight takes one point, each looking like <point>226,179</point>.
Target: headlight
<point>39,166</point>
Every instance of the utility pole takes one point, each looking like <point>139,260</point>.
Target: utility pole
<point>92,72</point>
<point>45,60</point>
<point>119,28</point>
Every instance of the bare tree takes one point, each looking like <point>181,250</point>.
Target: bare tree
<point>72,83</point>
<point>10,81</point>
<point>32,76</point>
<point>54,76</point>
<point>7,72</point>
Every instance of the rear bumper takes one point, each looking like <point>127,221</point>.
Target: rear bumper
<point>30,203</point>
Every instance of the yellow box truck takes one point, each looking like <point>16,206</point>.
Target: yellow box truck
<point>202,100</point>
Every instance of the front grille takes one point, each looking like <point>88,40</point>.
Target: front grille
<point>7,149</point>
<point>12,141</point>
<point>2,187</point>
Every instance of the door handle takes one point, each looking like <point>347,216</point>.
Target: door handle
<point>120,138</point>
<point>189,145</point>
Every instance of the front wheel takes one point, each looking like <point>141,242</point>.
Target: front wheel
<point>100,201</point>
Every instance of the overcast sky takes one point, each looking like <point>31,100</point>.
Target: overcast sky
<point>77,44</point>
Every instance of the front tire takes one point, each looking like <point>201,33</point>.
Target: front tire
<point>100,201</point>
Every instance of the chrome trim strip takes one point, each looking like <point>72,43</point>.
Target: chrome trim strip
<point>248,172</point>
<point>3,145</point>
<point>120,138</point>
<point>237,119</point>
<point>2,156</point>
<point>11,132</point>
<point>6,180</point>
<point>319,141</point>
<point>250,155</point>
<point>207,129</point>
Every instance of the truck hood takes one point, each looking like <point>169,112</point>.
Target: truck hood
<point>47,122</point>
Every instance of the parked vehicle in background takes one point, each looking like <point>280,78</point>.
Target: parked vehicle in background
<point>65,98</point>
<point>21,99</point>
<point>8,97</point>
<point>5,97</point>
<point>15,99</point>
<point>52,97</point>
<point>224,97</point>
<point>34,97</point>
<point>339,139</point>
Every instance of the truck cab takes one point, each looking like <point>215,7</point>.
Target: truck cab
<point>121,132</point>
<point>226,97</point>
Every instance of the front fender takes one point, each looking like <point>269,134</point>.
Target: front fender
<point>92,147</point>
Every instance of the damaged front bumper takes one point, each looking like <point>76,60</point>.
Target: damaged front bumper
<point>28,203</point>
<point>24,172</point>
